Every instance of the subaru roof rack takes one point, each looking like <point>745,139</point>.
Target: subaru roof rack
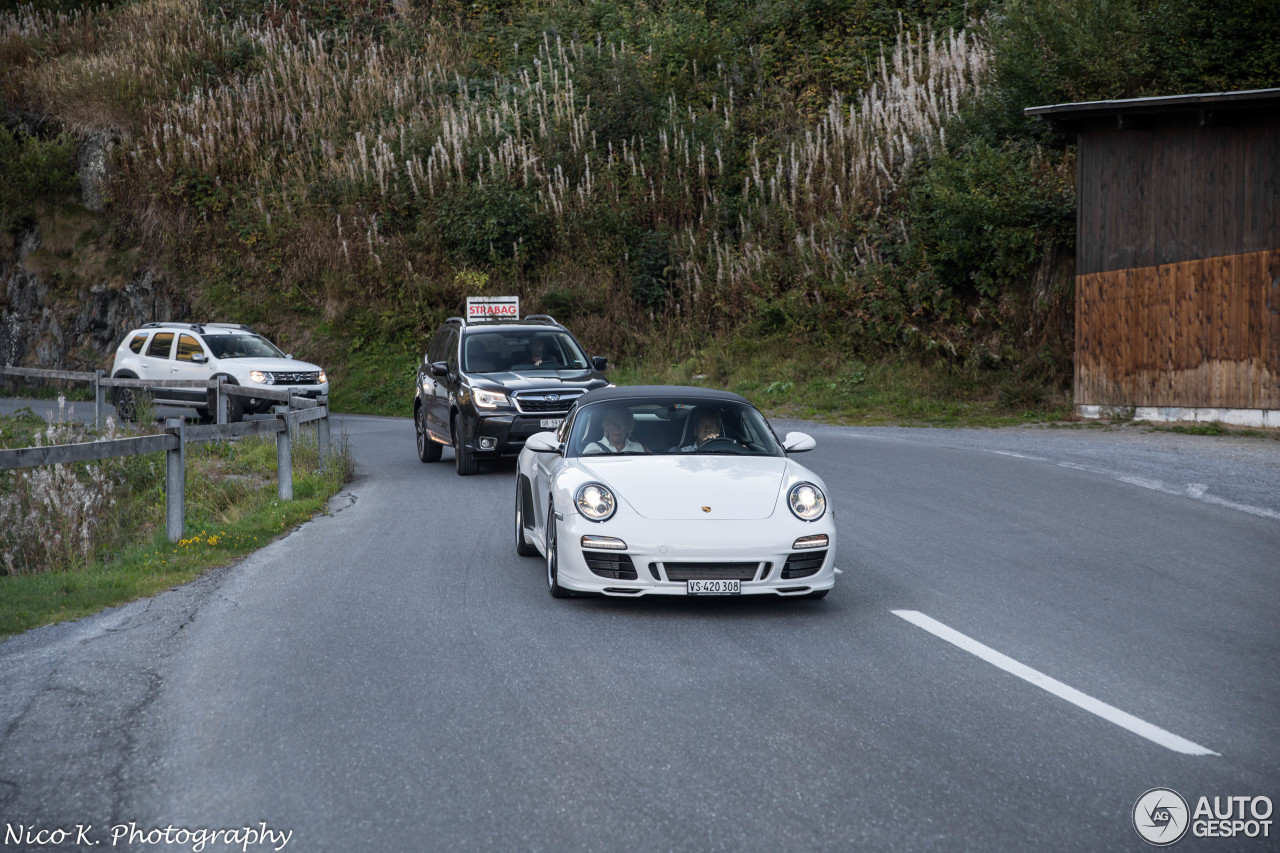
<point>539,318</point>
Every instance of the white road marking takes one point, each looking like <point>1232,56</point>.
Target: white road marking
<point>1018,455</point>
<point>1094,706</point>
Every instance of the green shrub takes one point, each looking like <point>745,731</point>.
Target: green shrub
<point>982,218</point>
<point>1058,51</point>
<point>495,222</point>
<point>31,169</point>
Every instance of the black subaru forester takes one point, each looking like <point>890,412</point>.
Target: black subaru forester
<point>487,385</point>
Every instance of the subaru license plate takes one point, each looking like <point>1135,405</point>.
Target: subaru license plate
<point>551,423</point>
<point>717,587</point>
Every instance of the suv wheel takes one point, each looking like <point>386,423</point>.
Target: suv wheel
<point>428,450</point>
<point>127,404</point>
<point>462,458</point>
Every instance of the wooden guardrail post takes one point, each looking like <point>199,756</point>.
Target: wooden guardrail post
<point>322,431</point>
<point>221,413</point>
<point>284,456</point>
<point>175,481</point>
<point>99,398</point>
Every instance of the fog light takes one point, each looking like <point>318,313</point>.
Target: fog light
<point>819,541</point>
<point>607,543</point>
<point>488,443</point>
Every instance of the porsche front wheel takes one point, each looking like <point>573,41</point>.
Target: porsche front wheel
<point>553,559</point>
<point>523,548</point>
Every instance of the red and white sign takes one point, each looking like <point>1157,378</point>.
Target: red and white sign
<point>507,307</point>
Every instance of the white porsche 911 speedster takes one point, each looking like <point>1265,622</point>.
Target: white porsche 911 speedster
<point>667,490</point>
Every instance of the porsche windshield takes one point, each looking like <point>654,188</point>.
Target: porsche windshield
<point>636,427</point>
<point>241,346</point>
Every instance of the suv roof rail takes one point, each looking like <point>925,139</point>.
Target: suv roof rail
<point>195,327</point>
<point>237,326</point>
<point>530,319</point>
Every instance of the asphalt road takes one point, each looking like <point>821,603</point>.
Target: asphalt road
<point>393,677</point>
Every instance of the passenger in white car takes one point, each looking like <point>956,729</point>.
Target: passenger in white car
<point>617,425</point>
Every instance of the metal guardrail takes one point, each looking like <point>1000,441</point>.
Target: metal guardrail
<point>177,434</point>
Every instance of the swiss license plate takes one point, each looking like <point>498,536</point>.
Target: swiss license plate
<point>718,587</point>
<point>551,423</point>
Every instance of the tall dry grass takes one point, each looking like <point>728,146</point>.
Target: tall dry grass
<point>318,140</point>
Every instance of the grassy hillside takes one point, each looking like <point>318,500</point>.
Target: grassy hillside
<point>699,189</point>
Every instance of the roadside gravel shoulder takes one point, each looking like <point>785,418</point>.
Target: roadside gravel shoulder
<point>1237,471</point>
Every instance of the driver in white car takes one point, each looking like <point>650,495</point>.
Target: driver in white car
<point>706,427</point>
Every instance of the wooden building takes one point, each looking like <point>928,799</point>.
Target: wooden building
<point>1177,256</point>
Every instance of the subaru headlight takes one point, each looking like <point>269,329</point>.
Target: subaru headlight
<point>595,501</point>
<point>259,376</point>
<point>322,377</point>
<point>807,501</point>
<point>490,399</point>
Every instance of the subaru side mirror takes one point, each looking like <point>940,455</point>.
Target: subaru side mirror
<point>600,363</point>
<point>439,368</point>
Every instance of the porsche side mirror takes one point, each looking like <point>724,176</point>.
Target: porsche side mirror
<point>600,363</point>
<point>439,368</point>
<point>543,442</point>
<point>798,442</point>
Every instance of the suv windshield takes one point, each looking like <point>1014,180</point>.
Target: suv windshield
<point>689,426</point>
<point>501,351</point>
<point>241,346</point>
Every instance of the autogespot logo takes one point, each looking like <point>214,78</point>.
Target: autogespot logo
<point>1160,816</point>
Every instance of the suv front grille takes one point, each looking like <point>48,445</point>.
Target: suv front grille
<point>536,402</point>
<point>803,564</point>
<point>278,378</point>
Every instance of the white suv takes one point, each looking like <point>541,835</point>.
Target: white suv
<point>181,351</point>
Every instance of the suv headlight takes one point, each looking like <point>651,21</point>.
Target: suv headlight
<point>322,377</point>
<point>259,376</point>
<point>807,501</point>
<point>489,399</point>
<point>595,501</point>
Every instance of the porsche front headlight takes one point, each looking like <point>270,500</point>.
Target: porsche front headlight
<point>807,501</point>
<point>595,501</point>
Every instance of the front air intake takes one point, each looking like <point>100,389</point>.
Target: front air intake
<point>803,564</point>
<point>610,564</point>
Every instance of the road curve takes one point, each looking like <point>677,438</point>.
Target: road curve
<point>393,677</point>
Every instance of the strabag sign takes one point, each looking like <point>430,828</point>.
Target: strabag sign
<point>506,307</point>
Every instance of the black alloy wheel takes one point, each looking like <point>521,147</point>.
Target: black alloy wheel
<point>462,458</point>
<point>428,450</point>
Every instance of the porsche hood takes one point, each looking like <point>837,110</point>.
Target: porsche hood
<point>671,488</point>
